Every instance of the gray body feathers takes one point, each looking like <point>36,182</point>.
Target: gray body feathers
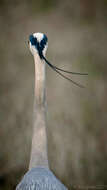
<point>40,179</point>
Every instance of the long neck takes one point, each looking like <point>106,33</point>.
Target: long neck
<point>39,140</point>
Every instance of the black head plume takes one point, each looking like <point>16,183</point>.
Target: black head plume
<point>39,42</point>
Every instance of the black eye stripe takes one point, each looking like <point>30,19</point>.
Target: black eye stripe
<point>33,40</point>
<point>43,42</point>
<point>39,45</point>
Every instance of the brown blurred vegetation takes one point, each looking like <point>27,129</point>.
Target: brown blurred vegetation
<point>77,118</point>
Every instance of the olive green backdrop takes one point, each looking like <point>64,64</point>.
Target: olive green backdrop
<point>77,118</point>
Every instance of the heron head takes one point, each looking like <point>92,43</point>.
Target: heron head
<point>38,43</point>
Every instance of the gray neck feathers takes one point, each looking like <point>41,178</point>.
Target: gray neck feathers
<point>39,141</point>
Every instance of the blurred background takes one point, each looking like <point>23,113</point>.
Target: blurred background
<point>77,118</point>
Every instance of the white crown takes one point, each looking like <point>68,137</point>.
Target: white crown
<point>39,36</point>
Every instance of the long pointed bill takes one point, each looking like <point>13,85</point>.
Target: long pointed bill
<point>56,70</point>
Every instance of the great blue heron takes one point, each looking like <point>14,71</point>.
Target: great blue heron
<point>39,176</point>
